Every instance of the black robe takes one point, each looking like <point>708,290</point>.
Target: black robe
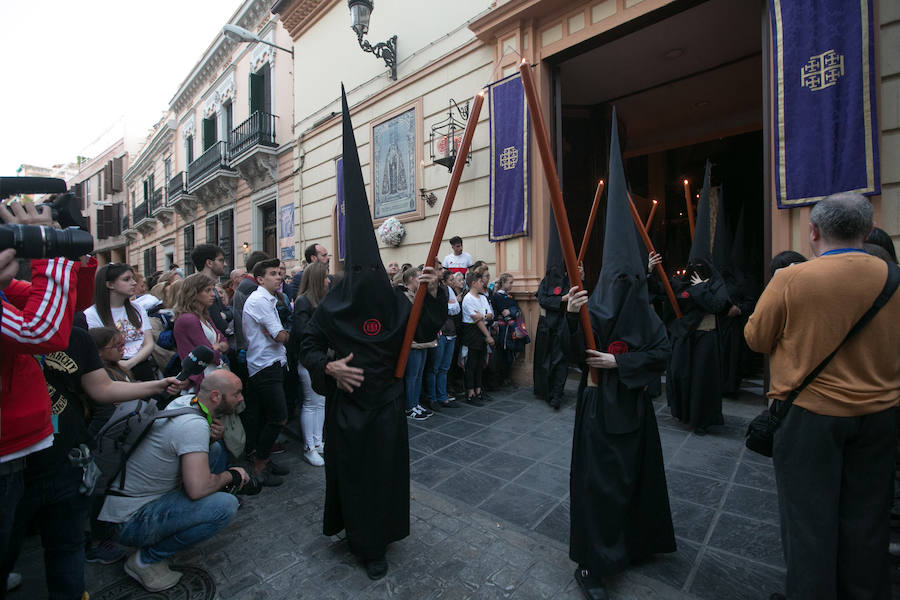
<point>367,463</point>
<point>731,335</point>
<point>693,379</point>
<point>619,503</point>
<point>551,341</point>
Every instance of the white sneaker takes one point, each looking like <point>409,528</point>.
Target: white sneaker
<point>13,580</point>
<point>312,457</point>
<point>320,449</point>
<point>154,577</point>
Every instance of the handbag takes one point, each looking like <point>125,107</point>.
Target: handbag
<point>760,435</point>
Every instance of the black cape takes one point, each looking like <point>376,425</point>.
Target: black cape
<point>693,379</point>
<point>551,341</point>
<point>619,503</point>
<point>367,463</point>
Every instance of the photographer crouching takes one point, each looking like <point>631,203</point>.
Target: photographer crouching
<point>36,319</point>
<point>171,498</point>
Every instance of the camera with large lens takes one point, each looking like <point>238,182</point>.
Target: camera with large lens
<point>38,241</point>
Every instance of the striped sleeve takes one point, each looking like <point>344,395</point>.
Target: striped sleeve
<point>37,316</point>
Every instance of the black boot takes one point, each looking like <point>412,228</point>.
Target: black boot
<point>376,568</point>
<point>591,586</point>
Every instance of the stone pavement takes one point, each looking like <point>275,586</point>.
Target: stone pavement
<point>490,519</point>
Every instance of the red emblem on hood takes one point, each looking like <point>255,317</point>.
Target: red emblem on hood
<point>557,291</point>
<point>684,294</point>
<point>372,327</point>
<point>617,348</point>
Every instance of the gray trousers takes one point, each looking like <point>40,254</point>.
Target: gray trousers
<point>835,487</point>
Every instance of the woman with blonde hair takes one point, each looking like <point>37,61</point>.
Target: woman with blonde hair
<point>193,326</point>
<point>313,287</point>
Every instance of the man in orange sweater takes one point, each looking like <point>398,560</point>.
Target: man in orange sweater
<point>834,451</point>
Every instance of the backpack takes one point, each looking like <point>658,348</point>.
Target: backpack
<point>121,435</point>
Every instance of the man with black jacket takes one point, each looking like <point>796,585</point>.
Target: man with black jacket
<point>209,259</point>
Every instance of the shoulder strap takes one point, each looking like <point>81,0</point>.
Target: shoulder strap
<point>890,285</point>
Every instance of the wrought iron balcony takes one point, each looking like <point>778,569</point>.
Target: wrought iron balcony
<point>156,201</point>
<point>258,130</point>
<point>139,213</point>
<point>125,222</point>
<point>214,159</point>
<point>174,188</point>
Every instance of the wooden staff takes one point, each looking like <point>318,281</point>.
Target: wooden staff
<point>458,166</point>
<point>690,206</point>
<point>650,218</point>
<point>659,267</point>
<point>590,224</point>
<point>556,201</point>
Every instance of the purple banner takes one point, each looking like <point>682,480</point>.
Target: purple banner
<point>510,129</point>
<point>339,169</point>
<point>826,126</point>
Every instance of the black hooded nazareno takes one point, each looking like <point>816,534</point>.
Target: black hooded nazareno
<point>551,343</point>
<point>367,463</point>
<point>619,502</point>
<point>693,379</point>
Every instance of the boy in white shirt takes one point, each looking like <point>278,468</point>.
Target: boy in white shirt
<point>476,312</point>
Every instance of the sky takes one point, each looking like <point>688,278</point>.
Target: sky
<point>74,71</point>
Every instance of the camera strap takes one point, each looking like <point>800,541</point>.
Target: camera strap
<point>890,285</point>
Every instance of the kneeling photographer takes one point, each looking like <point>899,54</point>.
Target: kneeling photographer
<point>171,498</point>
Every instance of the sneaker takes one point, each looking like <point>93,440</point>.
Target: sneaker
<point>423,410</point>
<point>474,400</point>
<point>106,552</point>
<point>268,479</point>
<point>154,577</point>
<point>276,469</point>
<point>312,457</point>
<point>320,449</point>
<point>13,580</point>
<point>416,415</point>
<point>277,448</point>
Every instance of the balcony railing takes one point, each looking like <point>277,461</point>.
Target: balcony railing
<point>174,188</point>
<point>139,213</point>
<point>215,158</point>
<point>155,202</point>
<point>258,130</point>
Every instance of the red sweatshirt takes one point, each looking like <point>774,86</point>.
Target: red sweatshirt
<point>37,319</point>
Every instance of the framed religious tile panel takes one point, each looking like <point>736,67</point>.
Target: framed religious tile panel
<point>396,154</point>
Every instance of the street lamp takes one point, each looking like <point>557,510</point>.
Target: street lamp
<point>360,11</point>
<point>239,34</point>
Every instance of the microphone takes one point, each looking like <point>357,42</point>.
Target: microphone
<point>11,186</point>
<point>198,359</point>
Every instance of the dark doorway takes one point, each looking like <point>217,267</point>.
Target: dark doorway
<point>269,229</point>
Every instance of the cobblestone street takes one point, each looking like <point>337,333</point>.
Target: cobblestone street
<point>490,519</point>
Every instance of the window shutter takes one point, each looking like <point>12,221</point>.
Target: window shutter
<point>101,223</point>
<point>107,178</point>
<point>188,246</point>
<point>226,235</point>
<point>212,234</point>
<point>116,175</point>
<point>78,191</point>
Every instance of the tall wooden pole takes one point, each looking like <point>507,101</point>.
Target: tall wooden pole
<point>556,201</point>
<point>659,268</point>
<point>458,166</point>
<point>690,206</point>
<point>591,219</point>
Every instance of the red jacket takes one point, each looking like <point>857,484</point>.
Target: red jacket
<point>37,319</point>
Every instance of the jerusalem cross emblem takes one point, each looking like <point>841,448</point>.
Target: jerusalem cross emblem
<point>509,158</point>
<point>822,71</point>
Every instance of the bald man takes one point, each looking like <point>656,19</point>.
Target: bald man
<point>172,499</point>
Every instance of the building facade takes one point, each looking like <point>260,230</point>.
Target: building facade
<point>216,167</point>
<point>690,80</point>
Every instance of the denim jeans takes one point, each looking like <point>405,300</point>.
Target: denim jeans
<point>174,521</point>
<point>61,512</point>
<point>413,376</point>
<point>436,375</point>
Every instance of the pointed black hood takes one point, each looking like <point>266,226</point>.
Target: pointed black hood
<point>619,305</point>
<point>701,247</point>
<point>556,281</point>
<point>721,250</point>
<point>362,313</point>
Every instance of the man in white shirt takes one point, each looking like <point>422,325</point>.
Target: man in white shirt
<point>457,261</point>
<point>266,411</point>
